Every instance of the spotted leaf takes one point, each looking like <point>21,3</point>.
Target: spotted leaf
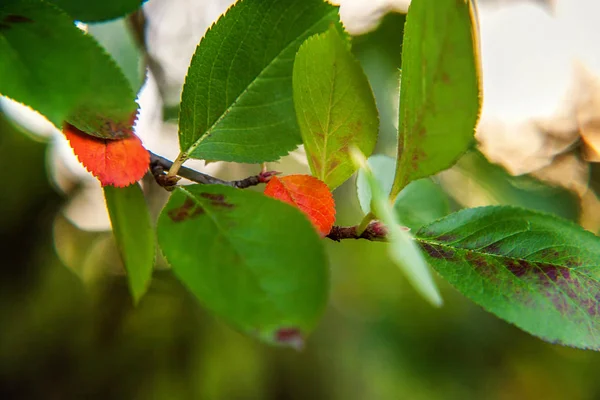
<point>535,270</point>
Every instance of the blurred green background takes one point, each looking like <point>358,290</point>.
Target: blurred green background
<point>62,337</point>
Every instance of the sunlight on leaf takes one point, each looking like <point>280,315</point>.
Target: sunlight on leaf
<point>335,106</point>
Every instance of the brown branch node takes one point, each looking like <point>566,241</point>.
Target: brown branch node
<point>375,231</point>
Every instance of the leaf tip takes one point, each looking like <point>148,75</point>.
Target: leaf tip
<point>291,337</point>
<point>358,158</point>
<point>435,298</point>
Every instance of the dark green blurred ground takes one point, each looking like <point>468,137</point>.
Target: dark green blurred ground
<point>61,340</point>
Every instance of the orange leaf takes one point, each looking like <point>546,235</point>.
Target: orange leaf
<point>114,162</point>
<point>309,194</point>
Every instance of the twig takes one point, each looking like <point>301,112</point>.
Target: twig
<point>374,230</point>
<point>159,164</point>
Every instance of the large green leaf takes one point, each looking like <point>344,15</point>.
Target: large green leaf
<point>97,10</point>
<point>420,202</point>
<point>134,234</point>
<point>334,106</point>
<point>402,248</point>
<point>535,270</point>
<point>440,88</point>
<point>253,260</point>
<point>237,103</point>
<point>56,69</point>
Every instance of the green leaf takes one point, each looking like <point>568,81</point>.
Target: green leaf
<point>237,103</point>
<point>116,38</point>
<point>440,88</point>
<point>255,261</point>
<point>56,69</point>
<point>379,54</point>
<point>500,188</point>
<point>402,248</point>
<point>97,10</point>
<point>134,234</point>
<point>534,270</point>
<point>382,168</point>
<point>334,105</point>
<point>419,203</point>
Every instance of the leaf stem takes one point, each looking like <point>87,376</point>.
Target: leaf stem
<point>177,164</point>
<point>367,219</point>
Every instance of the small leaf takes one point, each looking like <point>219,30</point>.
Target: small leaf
<point>440,88</point>
<point>117,39</point>
<point>402,248</point>
<point>252,260</point>
<point>97,10</point>
<point>56,69</point>
<point>308,194</point>
<point>335,106</point>
<point>534,270</point>
<point>114,162</point>
<point>133,232</point>
<point>419,203</point>
<point>382,167</point>
<point>236,103</point>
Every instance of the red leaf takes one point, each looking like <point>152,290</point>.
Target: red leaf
<point>114,162</point>
<point>309,194</point>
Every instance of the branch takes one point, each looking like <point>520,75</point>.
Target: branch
<point>158,166</point>
<point>375,231</point>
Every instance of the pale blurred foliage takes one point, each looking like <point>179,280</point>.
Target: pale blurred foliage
<point>541,77</point>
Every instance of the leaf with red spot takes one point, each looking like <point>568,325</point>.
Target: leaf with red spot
<point>307,193</point>
<point>114,162</point>
<point>534,270</point>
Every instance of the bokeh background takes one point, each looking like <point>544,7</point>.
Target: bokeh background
<point>68,329</point>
